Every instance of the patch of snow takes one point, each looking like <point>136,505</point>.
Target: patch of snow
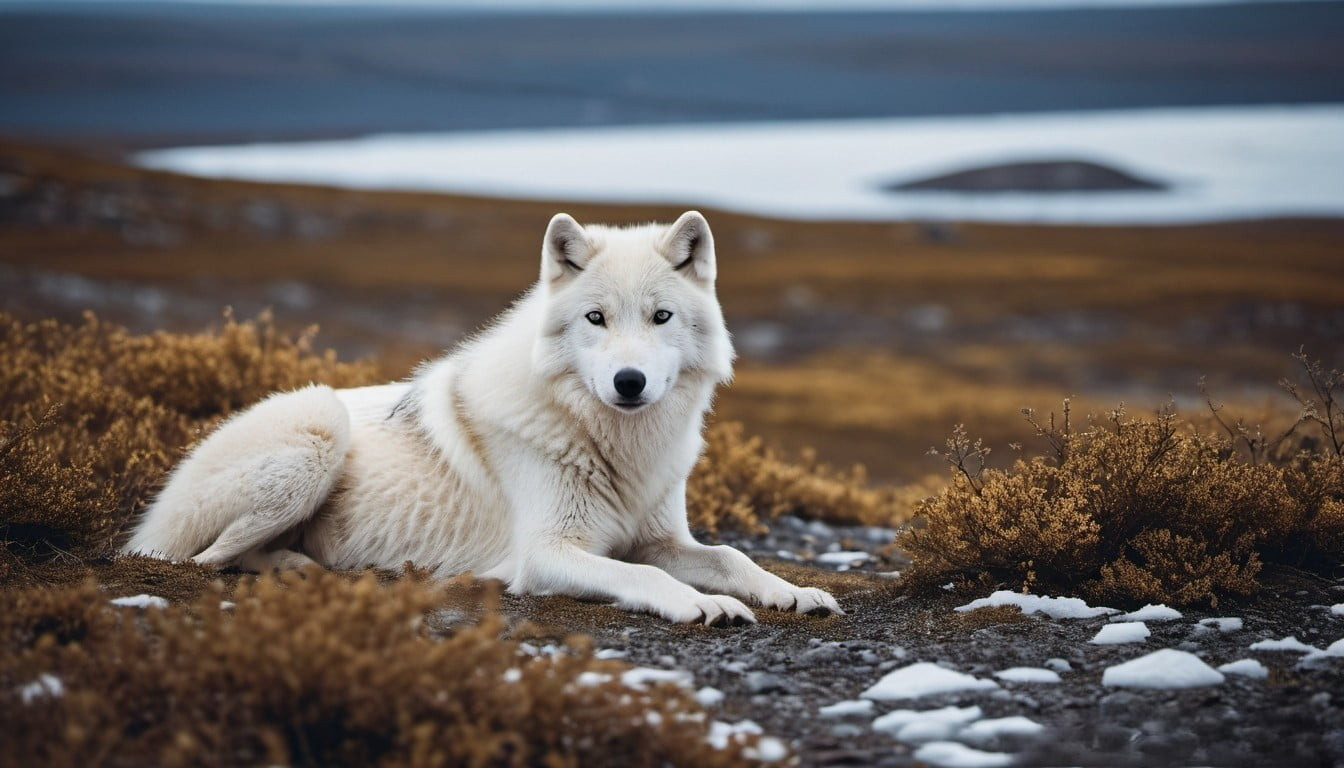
<point>708,697</point>
<point>140,601</point>
<point>1337,609</point>
<point>1054,607</point>
<point>847,708</point>
<point>951,754</point>
<point>842,558</point>
<point>641,676</point>
<point>1290,644</point>
<point>515,674</point>
<point>1115,634</point>
<point>924,679</point>
<point>227,605</point>
<point>1059,665</point>
<point>1167,668</point>
<point>984,730</point>
<point>1218,162</point>
<point>720,733</point>
<point>1150,612</point>
<point>1028,675</point>
<point>609,653</point>
<point>767,750</point>
<point>917,726</point>
<point>589,679</point>
<point>1221,624</point>
<point>1335,649</point>
<point>1246,668</point>
<point>45,685</point>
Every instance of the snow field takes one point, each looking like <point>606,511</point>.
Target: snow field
<point>1216,163</point>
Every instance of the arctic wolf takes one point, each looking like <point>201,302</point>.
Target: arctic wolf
<point>551,451</point>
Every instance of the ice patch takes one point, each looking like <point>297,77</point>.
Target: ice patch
<point>1222,624</point>
<point>917,726</point>
<point>708,697</point>
<point>45,685</point>
<point>1115,634</point>
<point>1028,675</point>
<point>1219,163</point>
<point>984,730</point>
<point>950,754</point>
<point>641,676</point>
<point>847,708</point>
<point>140,601</point>
<point>842,558</point>
<point>1167,668</point>
<point>1290,644</point>
<point>924,679</point>
<point>1150,612</point>
<point>1054,607</point>
<point>1246,668</point>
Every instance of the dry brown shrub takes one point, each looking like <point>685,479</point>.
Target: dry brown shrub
<point>91,417</point>
<point>1140,510</point>
<point>317,669</point>
<point>742,483</point>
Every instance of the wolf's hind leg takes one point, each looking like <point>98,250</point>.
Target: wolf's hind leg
<point>261,474</point>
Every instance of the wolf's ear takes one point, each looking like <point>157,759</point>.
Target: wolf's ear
<point>565,250</point>
<point>689,245</point>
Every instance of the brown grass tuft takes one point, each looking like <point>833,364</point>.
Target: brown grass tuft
<point>317,669</point>
<point>1139,510</point>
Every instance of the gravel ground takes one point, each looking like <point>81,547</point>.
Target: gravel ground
<point>779,672</point>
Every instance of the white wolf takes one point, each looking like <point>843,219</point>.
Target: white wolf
<point>551,451</point>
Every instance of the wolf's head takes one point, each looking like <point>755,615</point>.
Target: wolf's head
<point>630,310</point>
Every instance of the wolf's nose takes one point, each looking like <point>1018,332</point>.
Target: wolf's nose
<point>629,382</point>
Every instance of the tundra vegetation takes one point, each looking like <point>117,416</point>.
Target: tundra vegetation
<point>341,668</point>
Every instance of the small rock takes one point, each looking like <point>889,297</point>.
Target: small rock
<point>765,682</point>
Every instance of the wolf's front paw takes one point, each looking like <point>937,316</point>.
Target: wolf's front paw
<point>800,599</point>
<point>712,610</point>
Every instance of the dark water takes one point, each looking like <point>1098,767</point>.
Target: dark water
<point>186,74</point>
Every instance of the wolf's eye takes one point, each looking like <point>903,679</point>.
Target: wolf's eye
<point>661,316</point>
<point>596,318</point>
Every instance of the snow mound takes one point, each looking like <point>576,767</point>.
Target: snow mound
<point>1334,650</point>
<point>1290,644</point>
<point>642,676</point>
<point>708,696</point>
<point>1221,624</point>
<point>918,726</point>
<point>1150,612</point>
<point>1059,665</point>
<point>984,730</point>
<point>1054,607</point>
<point>45,685</point>
<point>842,558</point>
<point>1246,668</point>
<point>1028,675</point>
<point>923,679</point>
<point>950,754</point>
<point>1167,668</point>
<point>847,708</point>
<point>140,601</point>
<point>1127,632</point>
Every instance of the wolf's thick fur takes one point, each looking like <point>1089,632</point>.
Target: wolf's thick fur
<point>551,451</point>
